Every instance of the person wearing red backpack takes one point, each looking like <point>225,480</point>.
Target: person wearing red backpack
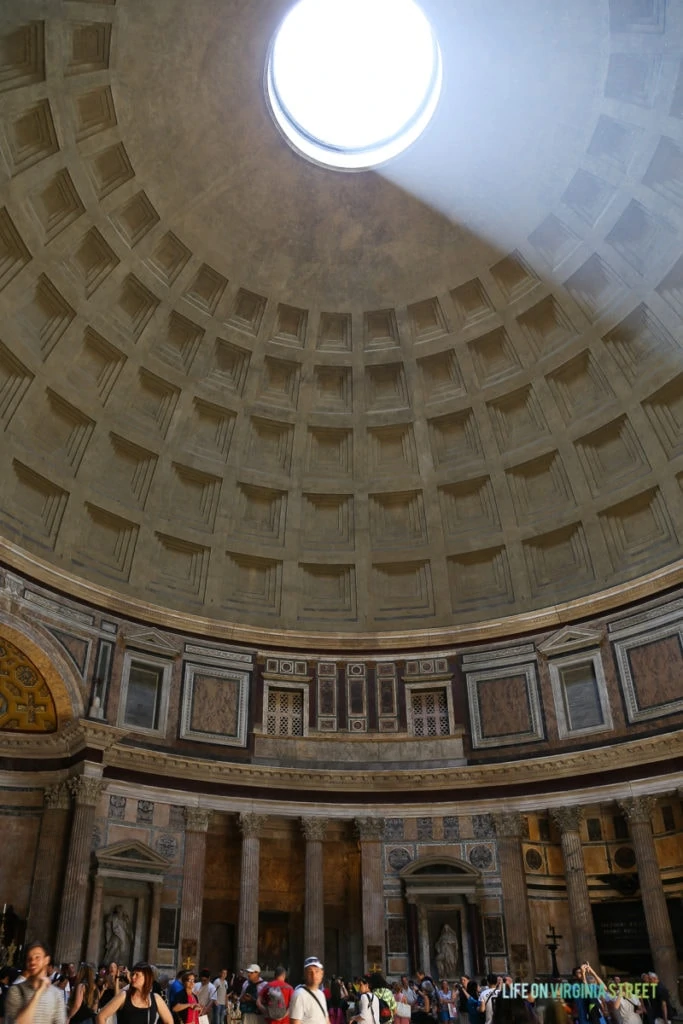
<point>274,998</point>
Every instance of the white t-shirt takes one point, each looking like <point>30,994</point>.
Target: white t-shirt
<point>303,1005</point>
<point>368,1008</point>
<point>205,993</point>
<point>221,986</point>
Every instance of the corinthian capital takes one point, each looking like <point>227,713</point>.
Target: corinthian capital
<point>251,825</point>
<point>314,828</point>
<point>369,828</point>
<point>567,819</point>
<point>196,819</point>
<point>638,809</point>
<point>86,790</point>
<point>57,797</point>
<point>509,824</point>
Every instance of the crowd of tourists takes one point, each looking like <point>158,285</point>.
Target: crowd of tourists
<point>85,995</point>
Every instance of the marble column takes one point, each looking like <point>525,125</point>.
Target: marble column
<point>95,931</point>
<point>247,922</point>
<point>192,899</point>
<point>568,820</point>
<point>72,917</point>
<point>50,857</point>
<point>638,811</point>
<point>370,833</point>
<point>314,907</point>
<point>509,830</point>
<point>154,914</point>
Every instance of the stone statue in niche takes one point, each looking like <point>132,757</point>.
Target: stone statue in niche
<point>117,936</point>
<point>447,952</point>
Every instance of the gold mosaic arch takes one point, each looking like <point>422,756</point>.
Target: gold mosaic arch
<point>242,387</point>
<point>26,703</point>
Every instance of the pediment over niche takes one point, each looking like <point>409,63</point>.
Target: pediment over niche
<point>571,638</point>
<point>151,640</point>
<point>131,856</point>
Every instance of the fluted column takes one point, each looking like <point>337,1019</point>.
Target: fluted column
<point>69,945</point>
<point>95,930</point>
<point>196,825</point>
<point>154,914</point>
<point>568,820</point>
<point>247,924</point>
<point>639,810</point>
<point>49,863</point>
<point>314,912</point>
<point>515,897</point>
<point>370,833</point>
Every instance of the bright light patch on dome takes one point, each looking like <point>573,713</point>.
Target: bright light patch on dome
<point>352,83</point>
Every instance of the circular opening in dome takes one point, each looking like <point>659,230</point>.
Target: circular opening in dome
<point>352,83</point>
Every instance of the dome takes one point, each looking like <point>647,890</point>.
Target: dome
<point>241,386</point>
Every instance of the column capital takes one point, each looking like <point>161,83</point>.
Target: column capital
<point>196,819</point>
<point>85,790</point>
<point>638,809</point>
<point>251,825</point>
<point>508,824</point>
<point>369,828</point>
<point>57,797</point>
<point>314,828</point>
<point>567,819</point>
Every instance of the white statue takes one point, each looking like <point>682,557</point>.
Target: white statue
<point>447,950</point>
<point>117,936</point>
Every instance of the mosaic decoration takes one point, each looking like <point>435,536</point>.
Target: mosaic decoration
<point>481,857</point>
<point>398,858</point>
<point>26,704</point>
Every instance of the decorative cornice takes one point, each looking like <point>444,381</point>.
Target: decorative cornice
<point>551,617</point>
<point>508,824</point>
<point>57,797</point>
<point>542,770</point>
<point>639,809</point>
<point>196,819</point>
<point>251,825</point>
<point>369,829</point>
<point>86,790</point>
<point>314,829</point>
<point>567,819</point>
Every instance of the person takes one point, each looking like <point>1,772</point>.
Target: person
<point>137,1003</point>
<point>251,989</point>
<point>222,986</point>
<point>206,994</point>
<point>488,995</point>
<point>368,1005</point>
<point>473,1001</point>
<point>379,986</point>
<point>338,1001</point>
<point>445,1001</point>
<point>83,1003</point>
<point>185,1005</point>
<point>626,1008</point>
<point>308,1005</point>
<point>35,1000</point>
<point>275,996</point>
<point>661,1001</point>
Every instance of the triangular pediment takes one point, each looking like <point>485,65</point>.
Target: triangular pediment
<point>132,855</point>
<point>151,640</point>
<point>570,638</point>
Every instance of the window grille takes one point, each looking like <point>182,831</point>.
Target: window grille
<point>430,713</point>
<point>285,713</point>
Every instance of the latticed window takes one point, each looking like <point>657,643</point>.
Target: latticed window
<point>285,713</point>
<point>430,713</point>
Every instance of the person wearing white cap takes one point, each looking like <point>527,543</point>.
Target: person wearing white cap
<point>251,990</point>
<point>308,1005</point>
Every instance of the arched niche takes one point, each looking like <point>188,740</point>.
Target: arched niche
<point>39,651</point>
<point>443,890</point>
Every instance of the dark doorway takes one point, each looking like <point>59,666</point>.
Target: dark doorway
<point>218,947</point>
<point>273,941</point>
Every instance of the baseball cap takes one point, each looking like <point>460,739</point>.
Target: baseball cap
<point>252,968</point>
<point>312,961</point>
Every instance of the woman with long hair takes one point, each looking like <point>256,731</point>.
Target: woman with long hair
<point>84,997</point>
<point>137,1004</point>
